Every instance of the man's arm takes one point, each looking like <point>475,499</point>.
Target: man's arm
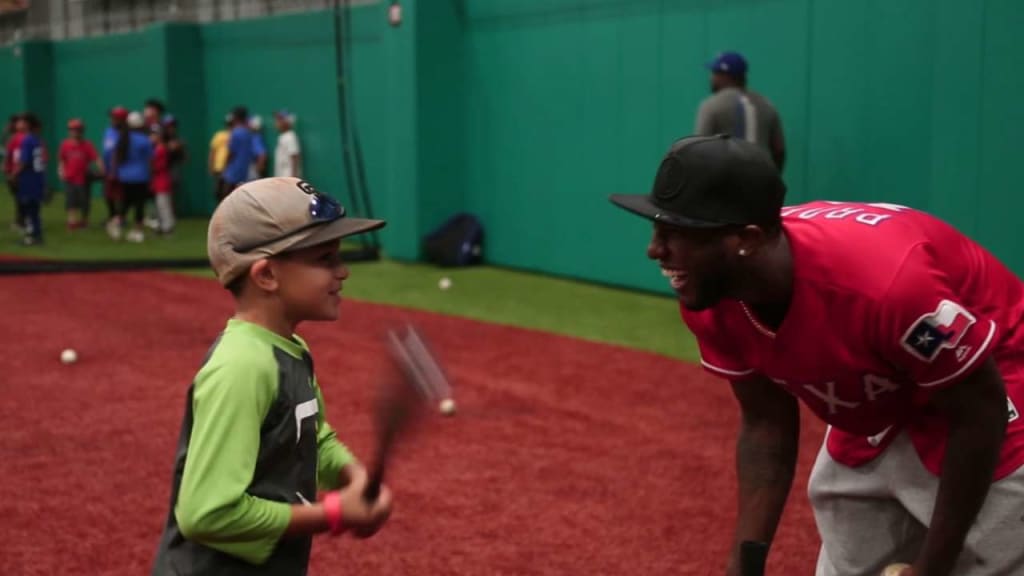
<point>705,124</point>
<point>976,408</point>
<point>766,453</point>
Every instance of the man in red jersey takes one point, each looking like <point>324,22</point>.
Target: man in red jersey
<point>901,333</point>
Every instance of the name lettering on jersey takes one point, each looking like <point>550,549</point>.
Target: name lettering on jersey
<point>305,410</point>
<point>938,330</point>
<point>1012,413</point>
<point>859,214</point>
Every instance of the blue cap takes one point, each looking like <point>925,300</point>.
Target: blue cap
<point>731,63</point>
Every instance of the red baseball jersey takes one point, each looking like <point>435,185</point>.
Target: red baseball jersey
<point>13,150</point>
<point>160,179</point>
<point>889,305</point>
<point>76,156</point>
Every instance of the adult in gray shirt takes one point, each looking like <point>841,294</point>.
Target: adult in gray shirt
<point>735,110</point>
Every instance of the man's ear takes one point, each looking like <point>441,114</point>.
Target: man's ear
<point>263,275</point>
<point>750,240</point>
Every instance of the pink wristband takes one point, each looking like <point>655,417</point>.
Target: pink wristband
<point>332,510</point>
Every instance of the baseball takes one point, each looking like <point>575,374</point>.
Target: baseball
<point>444,283</point>
<point>895,569</point>
<point>68,356</point>
<point>447,406</point>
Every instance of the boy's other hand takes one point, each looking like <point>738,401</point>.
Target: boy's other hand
<point>364,519</point>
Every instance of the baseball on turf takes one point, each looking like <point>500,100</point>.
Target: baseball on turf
<point>444,283</point>
<point>447,406</point>
<point>68,356</point>
<point>895,569</point>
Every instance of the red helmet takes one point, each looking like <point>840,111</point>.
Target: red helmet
<point>119,113</point>
<point>75,124</point>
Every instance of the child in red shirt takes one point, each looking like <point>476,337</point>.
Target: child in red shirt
<point>76,156</point>
<point>13,146</point>
<point>160,181</point>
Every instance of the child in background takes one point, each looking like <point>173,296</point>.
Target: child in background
<point>160,181</point>
<point>75,157</point>
<point>112,192</point>
<point>31,173</point>
<point>133,157</point>
<point>12,149</point>
<point>219,158</point>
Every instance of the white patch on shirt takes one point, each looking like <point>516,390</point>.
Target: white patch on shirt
<point>303,411</point>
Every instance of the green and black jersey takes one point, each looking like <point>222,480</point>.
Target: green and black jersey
<point>253,442</point>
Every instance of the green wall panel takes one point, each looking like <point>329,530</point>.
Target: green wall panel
<point>12,82</point>
<point>530,113</point>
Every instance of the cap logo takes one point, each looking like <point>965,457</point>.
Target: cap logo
<point>306,187</point>
<point>669,182</point>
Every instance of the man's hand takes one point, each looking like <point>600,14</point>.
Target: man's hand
<point>766,453</point>
<point>976,409</point>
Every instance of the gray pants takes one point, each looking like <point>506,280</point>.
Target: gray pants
<point>76,197</point>
<point>877,514</point>
<point>165,212</point>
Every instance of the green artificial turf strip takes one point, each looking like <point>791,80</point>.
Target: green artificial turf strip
<point>588,311</point>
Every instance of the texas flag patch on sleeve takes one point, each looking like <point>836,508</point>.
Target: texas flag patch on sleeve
<point>939,330</point>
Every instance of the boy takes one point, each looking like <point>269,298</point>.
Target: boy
<point>76,157</point>
<point>160,183</point>
<point>219,158</point>
<point>241,151</point>
<point>30,171</point>
<point>288,153</point>
<point>255,444</point>
<point>12,139</point>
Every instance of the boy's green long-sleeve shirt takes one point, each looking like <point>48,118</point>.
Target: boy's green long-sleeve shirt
<point>254,441</point>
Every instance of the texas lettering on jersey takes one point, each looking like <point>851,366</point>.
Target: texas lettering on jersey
<point>874,387</point>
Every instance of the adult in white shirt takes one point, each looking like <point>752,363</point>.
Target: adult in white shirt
<point>287,154</point>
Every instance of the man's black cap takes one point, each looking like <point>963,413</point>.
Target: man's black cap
<point>711,181</point>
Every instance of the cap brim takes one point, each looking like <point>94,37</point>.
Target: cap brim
<point>340,228</point>
<point>641,205</point>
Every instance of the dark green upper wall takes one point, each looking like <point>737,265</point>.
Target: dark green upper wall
<point>530,112</point>
<point>184,89</point>
<point>567,101</point>
<point>11,82</point>
<point>440,90</point>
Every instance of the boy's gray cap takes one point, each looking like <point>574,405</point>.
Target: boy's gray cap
<point>274,215</point>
